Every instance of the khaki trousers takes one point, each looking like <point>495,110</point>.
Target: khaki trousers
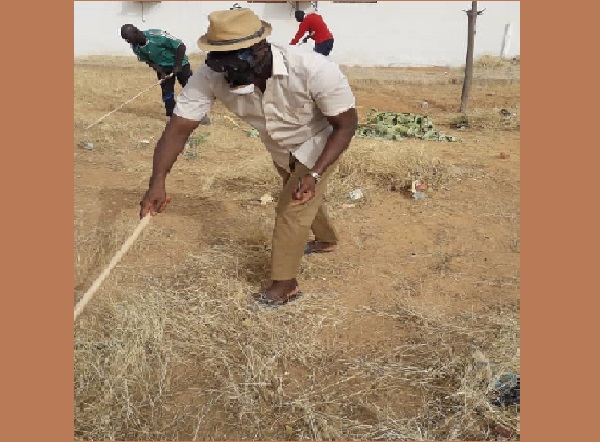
<point>294,223</point>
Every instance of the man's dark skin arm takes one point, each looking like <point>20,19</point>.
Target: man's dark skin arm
<point>168,148</point>
<point>344,127</point>
<point>179,58</point>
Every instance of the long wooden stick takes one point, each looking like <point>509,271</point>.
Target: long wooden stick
<point>128,101</point>
<point>124,248</point>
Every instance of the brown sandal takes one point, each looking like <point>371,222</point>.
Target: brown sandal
<point>267,300</point>
<point>310,248</point>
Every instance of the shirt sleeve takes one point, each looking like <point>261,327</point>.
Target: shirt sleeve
<point>197,97</point>
<point>168,41</point>
<point>330,89</point>
<point>164,39</point>
<point>304,26</point>
<point>172,43</point>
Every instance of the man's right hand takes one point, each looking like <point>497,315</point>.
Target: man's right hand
<point>155,200</point>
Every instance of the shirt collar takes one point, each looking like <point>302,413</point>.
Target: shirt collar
<point>279,67</point>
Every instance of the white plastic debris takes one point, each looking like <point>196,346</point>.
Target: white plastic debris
<point>266,199</point>
<point>86,145</point>
<point>417,189</point>
<point>355,195</point>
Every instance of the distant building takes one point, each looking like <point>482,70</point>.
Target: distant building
<point>386,33</point>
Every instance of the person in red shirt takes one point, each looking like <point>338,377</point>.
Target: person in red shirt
<point>317,30</point>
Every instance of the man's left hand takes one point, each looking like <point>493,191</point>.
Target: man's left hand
<point>304,192</point>
<point>176,69</point>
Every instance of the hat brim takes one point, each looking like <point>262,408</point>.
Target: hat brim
<point>208,47</point>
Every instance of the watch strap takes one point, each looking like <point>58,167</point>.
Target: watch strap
<point>315,175</point>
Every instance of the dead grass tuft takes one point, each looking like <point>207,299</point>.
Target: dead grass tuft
<point>495,62</point>
<point>380,164</point>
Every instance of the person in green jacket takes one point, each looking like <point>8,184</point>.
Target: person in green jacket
<point>165,54</point>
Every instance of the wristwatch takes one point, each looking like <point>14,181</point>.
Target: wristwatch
<point>315,175</point>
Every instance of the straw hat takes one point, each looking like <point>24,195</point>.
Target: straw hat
<point>233,29</point>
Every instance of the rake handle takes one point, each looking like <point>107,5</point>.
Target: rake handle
<point>124,248</point>
<point>128,101</point>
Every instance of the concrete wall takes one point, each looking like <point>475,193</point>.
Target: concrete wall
<point>387,33</point>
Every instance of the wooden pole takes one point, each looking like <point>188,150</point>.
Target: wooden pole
<point>466,89</point>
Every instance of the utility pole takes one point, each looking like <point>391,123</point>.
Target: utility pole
<point>505,42</point>
<point>472,19</point>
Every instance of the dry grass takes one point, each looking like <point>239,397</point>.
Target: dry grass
<point>190,357</point>
<point>376,164</point>
<point>172,347</point>
<point>494,62</point>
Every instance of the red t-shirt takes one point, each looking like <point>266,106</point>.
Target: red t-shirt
<point>314,24</point>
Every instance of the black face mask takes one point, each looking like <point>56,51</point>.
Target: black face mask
<point>237,67</point>
<point>239,77</point>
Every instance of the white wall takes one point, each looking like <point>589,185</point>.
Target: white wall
<point>394,33</point>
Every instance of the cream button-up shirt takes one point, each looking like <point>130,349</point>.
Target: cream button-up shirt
<point>290,116</point>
